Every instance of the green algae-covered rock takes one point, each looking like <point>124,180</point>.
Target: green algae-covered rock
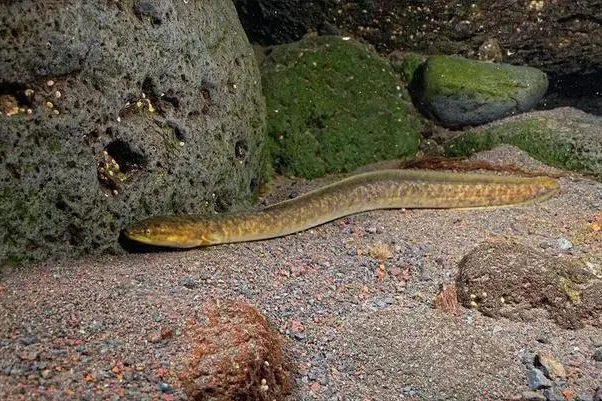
<point>333,105</point>
<point>565,137</point>
<point>456,91</point>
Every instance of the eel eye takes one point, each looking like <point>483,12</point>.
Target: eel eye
<point>147,231</point>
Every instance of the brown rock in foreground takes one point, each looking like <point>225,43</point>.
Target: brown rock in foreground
<point>447,300</point>
<point>511,280</point>
<point>235,356</point>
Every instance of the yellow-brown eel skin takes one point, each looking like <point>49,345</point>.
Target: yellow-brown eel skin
<point>385,189</point>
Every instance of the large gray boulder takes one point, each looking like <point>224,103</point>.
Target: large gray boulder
<point>114,111</point>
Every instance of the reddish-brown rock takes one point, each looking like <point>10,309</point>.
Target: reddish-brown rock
<point>235,356</point>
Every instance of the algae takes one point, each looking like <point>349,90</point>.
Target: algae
<point>333,106</point>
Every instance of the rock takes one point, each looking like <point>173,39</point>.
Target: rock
<point>553,394</point>
<point>537,380</point>
<point>447,300</point>
<point>334,105</point>
<point>550,366</point>
<point>114,112</point>
<point>235,355</point>
<point>533,396</point>
<point>565,137</point>
<point>598,354</point>
<point>459,92</point>
<point>558,37</point>
<point>510,280</point>
<point>564,244</point>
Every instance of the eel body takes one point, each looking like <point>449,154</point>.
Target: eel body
<point>385,189</point>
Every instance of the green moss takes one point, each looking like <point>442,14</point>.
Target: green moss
<point>538,137</point>
<point>450,75</point>
<point>333,106</point>
<point>407,67</point>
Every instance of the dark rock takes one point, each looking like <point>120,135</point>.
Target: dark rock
<point>188,282</point>
<point>235,355</point>
<point>598,354</point>
<point>559,37</point>
<point>553,394</point>
<point>29,339</point>
<point>510,279</point>
<point>460,92</point>
<point>283,21</point>
<point>111,112</point>
<point>165,388</point>
<point>537,380</point>
<point>542,338</point>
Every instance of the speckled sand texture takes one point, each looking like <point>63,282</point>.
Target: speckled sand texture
<point>92,329</point>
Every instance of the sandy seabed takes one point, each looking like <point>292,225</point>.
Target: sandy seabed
<point>91,329</point>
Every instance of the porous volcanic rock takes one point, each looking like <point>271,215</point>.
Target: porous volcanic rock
<point>235,356</point>
<point>114,111</point>
<point>517,282</point>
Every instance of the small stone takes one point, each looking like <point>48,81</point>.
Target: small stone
<point>187,282</point>
<point>598,395</point>
<point>537,380</point>
<point>550,366</point>
<point>542,338</point>
<point>166,332</point>
<point>29,355</point>
<point>553,394</point>
<point>28,340</point>
<point>533,396</point>
<point>598,354</point>
<point>165,388</point>
<point>584,397</point>
<point>564,244</point>
<point>447,300</point>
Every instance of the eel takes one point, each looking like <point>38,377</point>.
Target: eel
<point>384,189</point>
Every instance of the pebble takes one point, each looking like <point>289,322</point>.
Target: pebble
<point>550,366</point>
<point>165,388</point>
<point>187,282</point>
<point>28,340</point>
<point>598,354</point>
<point>537,380</point>
<point>410,392</point>
<point>384,302</point>
<point>553,394</point>
<point>564,244</point>
<point>542,338</point>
